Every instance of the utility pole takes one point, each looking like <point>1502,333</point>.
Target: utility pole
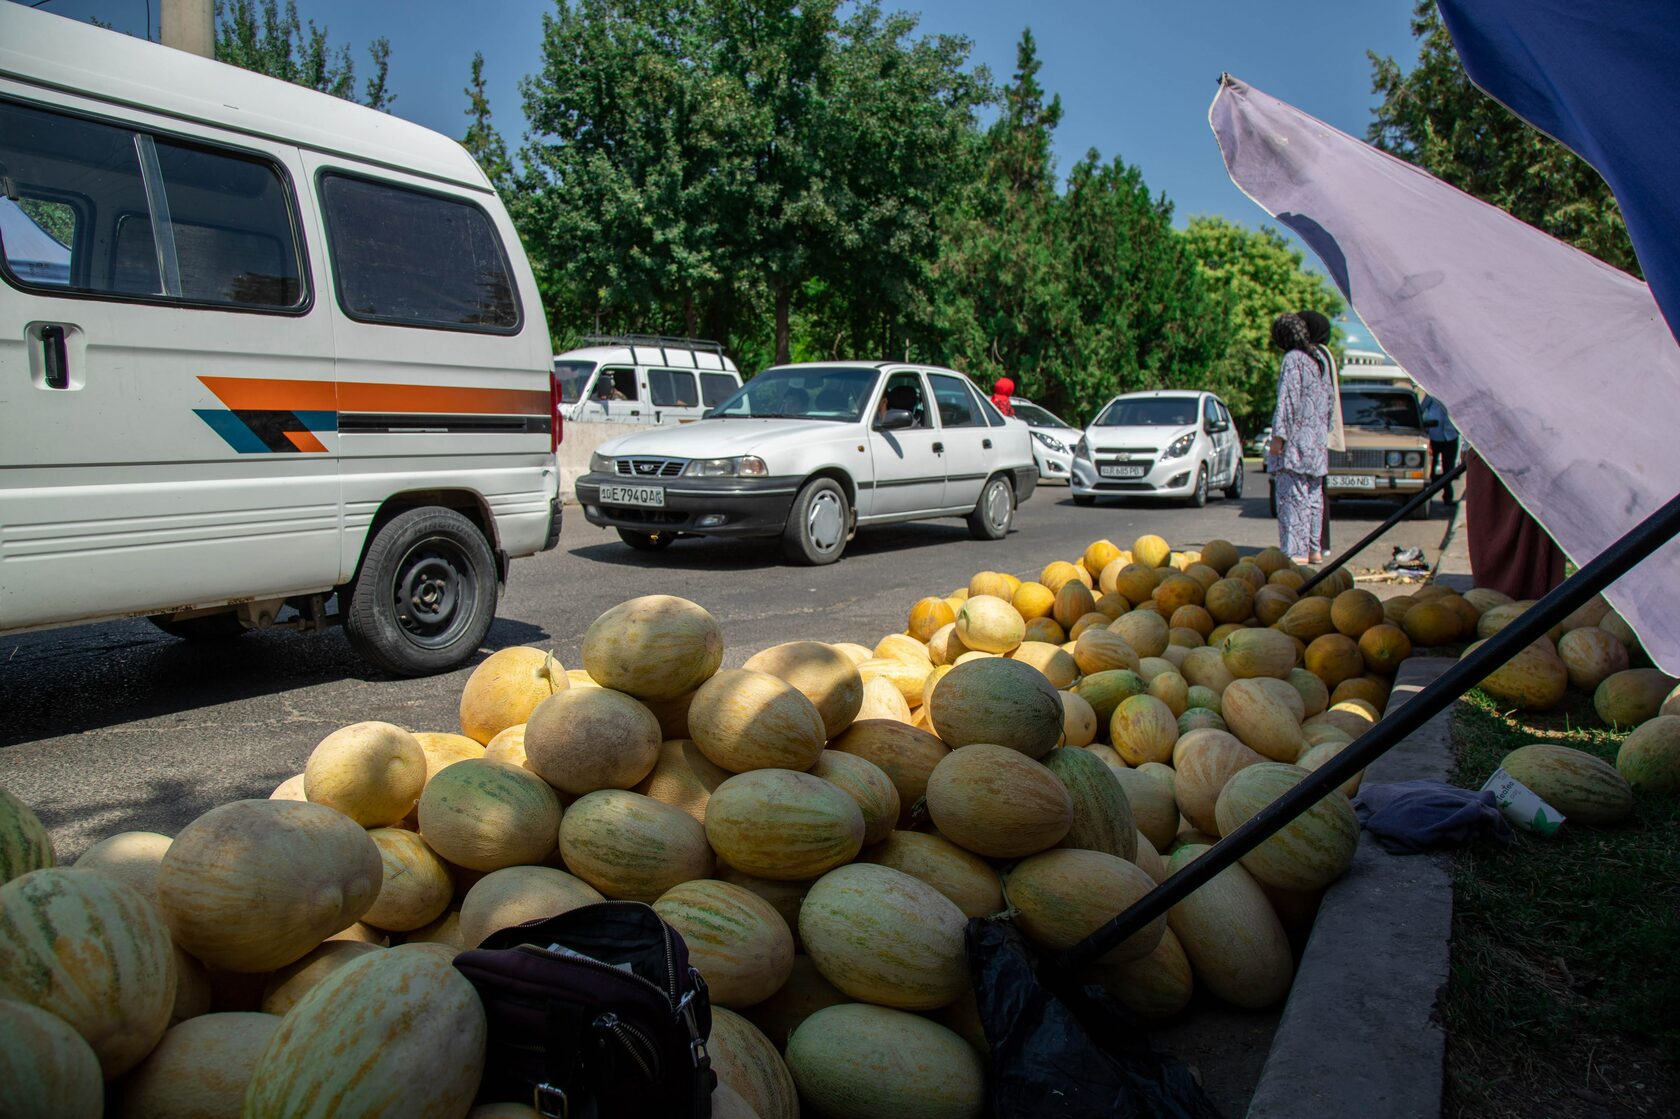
<point>189,25</point>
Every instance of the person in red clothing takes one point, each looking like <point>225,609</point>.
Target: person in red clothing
<point>1509,550</point>
<point>1001,392</point>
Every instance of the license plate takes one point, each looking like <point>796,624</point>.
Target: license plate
<point>1122,471</point>
<point>633,495</point>
<point>1351,481</point>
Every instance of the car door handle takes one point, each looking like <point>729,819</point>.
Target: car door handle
<point>55,360</point>
<point>939,448</point>
<point>986,443</point>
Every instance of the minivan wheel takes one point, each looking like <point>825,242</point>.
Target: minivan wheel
<point>205,627</point>
<point>994,513</point>
<point>1233,491</point>
<point>1198,496</point>
<point>425,596</point>
<point>817,524</point>
<point>646,541</point>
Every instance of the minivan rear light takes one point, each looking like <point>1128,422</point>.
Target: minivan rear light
<point>557,427</point>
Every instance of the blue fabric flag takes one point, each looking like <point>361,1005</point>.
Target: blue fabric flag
<point>1600,78</point>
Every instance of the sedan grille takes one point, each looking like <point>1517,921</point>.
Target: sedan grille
<point>1359,459</point>
<point>642,467</point>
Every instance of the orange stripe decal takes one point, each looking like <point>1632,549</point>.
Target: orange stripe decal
<point>304,440</point>
<point>264,394</point>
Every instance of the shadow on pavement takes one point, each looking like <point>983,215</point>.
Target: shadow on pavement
<point>701,553</point>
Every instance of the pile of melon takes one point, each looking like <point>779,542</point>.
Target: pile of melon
<point>819,824</point>
<point>1593,652</point>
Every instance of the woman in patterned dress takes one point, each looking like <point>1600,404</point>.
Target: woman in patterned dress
<point>1299,455</point>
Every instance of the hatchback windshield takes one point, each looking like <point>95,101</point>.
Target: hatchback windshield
<point>1037,417</point>
<point>808,392</point>
<point>1381,410</point>
<point>1149,411</point>
<point>572,376</point>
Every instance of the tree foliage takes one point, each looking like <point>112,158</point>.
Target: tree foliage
<point>1435,117</point>
<point>259,35</point>
<point>482,141</point>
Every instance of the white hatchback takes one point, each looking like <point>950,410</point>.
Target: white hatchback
<point>1167,443</point>
<point>809,453</point>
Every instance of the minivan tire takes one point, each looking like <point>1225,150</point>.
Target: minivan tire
<point>425,596</point>
<point>994,513</point>
<point>817,524</point>
<point>646,541</point>
<point>206,627</point>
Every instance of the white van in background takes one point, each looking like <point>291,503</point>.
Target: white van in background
<point>643,379</point>
<point>259,347</point>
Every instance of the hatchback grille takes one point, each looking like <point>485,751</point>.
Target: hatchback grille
<point>650,467</point>
<point>1362,459</point>
<point>1127,450</point>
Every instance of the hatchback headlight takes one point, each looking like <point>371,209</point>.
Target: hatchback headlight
<point>1179,447</point>
<point>1055,445</point>
<point>1082,449</point>
<point>1394,458</point>
<point>742,466</point>
<point>1414,458</point>
<point>601,464</point>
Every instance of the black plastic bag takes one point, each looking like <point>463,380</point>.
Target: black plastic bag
<point>1072,1052</point>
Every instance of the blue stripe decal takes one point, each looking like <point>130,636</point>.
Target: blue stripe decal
<point>318,421</point>
<point>233,430</point>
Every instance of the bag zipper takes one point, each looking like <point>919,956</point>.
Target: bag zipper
<point>670,992</point>
<point>627,1035</point>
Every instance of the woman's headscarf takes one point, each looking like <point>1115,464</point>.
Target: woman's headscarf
<point>1318,329</point>
<point>1001,392</point>
<point>1289,332</point>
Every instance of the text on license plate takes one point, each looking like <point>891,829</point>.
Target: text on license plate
<point>1123,471</point>
<point>633,495</point>
<point>1352,481</point>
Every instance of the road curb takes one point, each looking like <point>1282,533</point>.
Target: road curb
<point>1359,1034</point>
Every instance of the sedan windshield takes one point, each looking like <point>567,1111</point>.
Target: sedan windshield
<point>807,392</point>
<point>1381,410</point>
<point>1038,417</point>
<point>1149,411</point>
<point>572,376</point>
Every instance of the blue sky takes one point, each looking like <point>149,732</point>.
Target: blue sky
<point>1135,76</point>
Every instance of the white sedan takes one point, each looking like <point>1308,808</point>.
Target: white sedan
<point>810,453</point>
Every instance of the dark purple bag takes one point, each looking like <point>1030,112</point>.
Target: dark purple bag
<point>594,1014</point>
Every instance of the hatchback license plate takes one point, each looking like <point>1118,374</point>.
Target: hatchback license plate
<point>1122,471</point>
<point>633,495</point>
<point>1352,481</point>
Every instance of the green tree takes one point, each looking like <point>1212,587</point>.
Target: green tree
<point>482,141</point>
<point>1259,277</point>
<point>1433,116</point>
<point>258,35</point>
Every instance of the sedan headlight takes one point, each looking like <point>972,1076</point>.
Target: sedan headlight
<point>1394,458</point>
<point>742,466</point>
<point>1055,445</point>
<point>601,464</point>
<point>1179,447</point>
<point>1414,458</point>
<point>1082,449</point>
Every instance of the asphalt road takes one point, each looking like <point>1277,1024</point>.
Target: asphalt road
<point>118,727</point>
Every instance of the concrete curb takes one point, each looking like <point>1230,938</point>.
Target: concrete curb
<point>1359,1034</point>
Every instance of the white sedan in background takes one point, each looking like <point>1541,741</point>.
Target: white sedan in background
<point>1053,439</point>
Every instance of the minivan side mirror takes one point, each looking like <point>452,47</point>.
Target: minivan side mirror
<point>895,420</point>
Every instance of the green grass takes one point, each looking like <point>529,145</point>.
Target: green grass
<point>1564,998</point>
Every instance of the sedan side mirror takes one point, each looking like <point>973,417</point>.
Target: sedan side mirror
<point>895,420</point>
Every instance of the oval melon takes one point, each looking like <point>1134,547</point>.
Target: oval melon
<point>1032,600</point>
<point>1102,816</point>
<point>653,647</point>
<point>1533,680</point>
<point>1073,601</point>
<point>1135,582</point>
<point>24,842</point>
<point>1432,623</point>
<point>1249,572</point>
<point>1232,936</point>
<point>1000,701</point>
<point>902,647</point>
<point>960,875</point>
<point>1316,755</point>
<point>1153,803</point>
<point>1353,612</point>
<point>1229,600</point>
<point>393,1035</point>
<point>1194,618</point>
<point>319,872</point>
<point>1649,758</point>
<point>592,738</point>
<point>49,1071</point>
<point>372,772</point>
<point>1176,592</point>
<point>989,624</point>
<point>1056,664</point>
<point>1205,668</point>
<point>1590,654</point>
<point>1486,598</point>
<point>1105,690</point>
<point>751,1065</point>
<point>998,802</point>
<point>884,937</point>
<point>1155,987</point>
<point>683,777</point>
<point>630,846</point>
<point>1309,852</point>
<point>1151,551</point>
<point>485,815</point>
<point>866,783</point>
<point>804,993</point>
<point>1079,722</point>
<point>1203,761</point>
<point>443,749</point>
<point>1060,897</point>
<point>883,700</point>
<point>1262,720</point>
<point>1632,696</point>
<point>1170,688</point>
<point>1586,789</point>
<point>1589,613</point>
<point>506,687</point>
<point>1144,630</point>
<point>776,823</point>
<point>739,943</point>
<point>1308,619</point>
<point>1616,626</point>
<point>415,888</point>
<point>822,674</point>
<point>904,753</point>
<point>286,987</point>
<point>1497,618</point>
<point>993,583</point>
<point>1098,555</point>
<point>1315,697</point>
<point>1272,602</point>
<point>130,857</point>
<point>744,720</point>
<point>1040,629</point>
<point>516,894</point>
<point>1249,653</point>
<point>908,676</point>
<point>508,746</point>
<point>856,1059</point>
<point>926,618</point>
<point>200,1067</point>
<point>1143,729</point>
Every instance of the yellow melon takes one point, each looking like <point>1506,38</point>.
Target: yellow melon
<point>1262,719</point>
<point>1221,555</point>
<point>1056,574</point>
<point>1194,618</point>
<point>1333,658</point>
<point>944,647</point>
<point>998,802</point>
<point>1249,572</point>
<point>1177,591</point>
<point>200,1067</point>
<point>1535,679</point>
<point>1316,755</point>
<point>1632,696</point>
<point>885,937</point>
<point>927,615</point>
<point>824,675</point>
<point>1033,600</point>
<point>289,789</point>
<point>1060,897</point>
<point>1172,689</point>
<point>1112,605</point>
<point>485,815</point>
<point>1135,582</point>
<point>286,987</point>
<point>1057,666</point>
<point>742,720</point>
<point>751,1065</point>
<point>883,700</point>
<point>867,784</point>
<point>1098,650</point>
<point>595,738</point>
<point>1590,655</point>
<point>908,676</point>
<point>415,888</point>
<point>508,746</point>
<point>653,647</point>
<point>1372,690</point>
<point>904,753</point>
<point>991,583</point>
<point>578,678</point>
<point>1079,721</point>
<point>1205,668</point>
<point>775,823</point>
<point>1203,761</point>
<point>1270,560</point>
<point>738,942</point>
<point>1151,551</point>
<point>1145,631</point>
<point>1099,555</point>
<point>1232,937</point>
<point>1143,729</point>
<point>49,1071</point>
<point>1354,612</point>
<point>504,690</point>
<point>516,894</point>
<point>1307,620</point>
<point>372,772</point>
<point>129,857</point>
<point>990,624</point>
<point>1073,602</point>
<point>960,875</point>
<point>1042,629</point>
<point>1383,647</point>
<point>683,777</point>
<point>630,846</point>
<point>1432,623</point>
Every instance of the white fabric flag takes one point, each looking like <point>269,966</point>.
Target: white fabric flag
<point>1557,368</point>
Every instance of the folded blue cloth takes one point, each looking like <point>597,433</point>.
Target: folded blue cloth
<point>1412,816</point>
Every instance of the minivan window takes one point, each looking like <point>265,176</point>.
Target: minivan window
<point>672,388</point>
<point>89,193</point>
<point>571,376</point>
<point>714,387</point>
<point>406,257</point>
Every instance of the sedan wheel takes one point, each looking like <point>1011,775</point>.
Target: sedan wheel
<point>817,524</point>
<point>994,513</point>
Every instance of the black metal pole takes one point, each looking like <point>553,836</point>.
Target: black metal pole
<point>1418,499</point>
<point>1611,564</point>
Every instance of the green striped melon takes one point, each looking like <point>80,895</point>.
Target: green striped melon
<point>747,1062</point>
<point>286,987</point>
<point>906,754</point>
<point>804,993</point>
<point>1203,761</point>
<point>131,857</point>
<point>964,877</point>
<point>591,738</point>
<point>854,1059</point>
<point>1200,717</point>
<point>1590,654</point>
<point>785,897</point>
<point>1308,853</point>
<point>1102,816</point>
<point>1100,650</point>
<point>1104,690</point>
<point>630,846</point>
<point>1156,986</point>
<point>1001,701</point>
<point>48,1070</point>
<point>884,937</point>
<point>998,802</point>
<point>252,885</point>
<point>1143,729</point>
<point>657,646</point>
<point>484,815</point>
<point>1205,668</point>
<point>93,952</point>
<point>24,842</point>
<point>1535,679</point>
<point>393,1035</point>
<point>1632,696</point>
<point>775,823</point>
<point>200,1068</point>
<point>866,783</point>
<point>1262,719</point>
<point>1649,758</point>
<point>1248,653</point>
<point>516,894</point>
<point>1060,897</point>
<point>1232,937</point>
<point>744,720</point>
<point>823,674</point>
<point>683,777</point>
<point>1586,789</point>
<point>1153,803</point>
<point>415,888</point>
<point>1314,757</point>
<point>735,938</point>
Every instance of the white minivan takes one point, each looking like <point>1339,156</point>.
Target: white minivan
<point>643,379</point>
<point>259,347</point>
